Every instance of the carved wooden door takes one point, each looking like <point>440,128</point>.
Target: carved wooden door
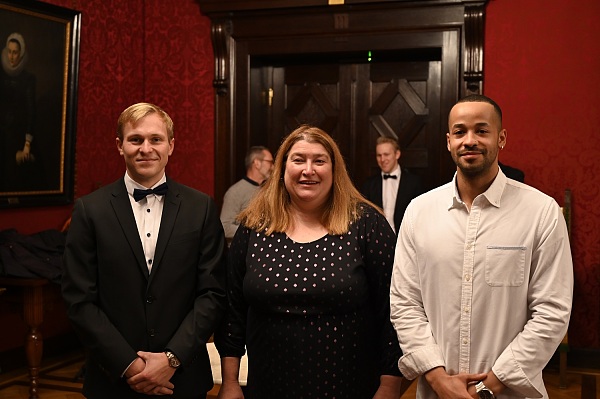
<point>436,50</point>
<point>356,100</point>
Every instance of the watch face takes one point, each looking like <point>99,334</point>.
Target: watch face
<point>483,391</point>
<point>485,394</point>
<point>173,361</point>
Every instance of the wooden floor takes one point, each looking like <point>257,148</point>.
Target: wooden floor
<point>58,380</point>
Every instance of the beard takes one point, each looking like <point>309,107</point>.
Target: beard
<point>477,167</point>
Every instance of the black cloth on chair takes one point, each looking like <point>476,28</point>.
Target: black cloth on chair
<point>38,255</point>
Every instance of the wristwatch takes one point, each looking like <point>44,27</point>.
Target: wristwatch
<point>483,391</point>
<point>173,361</point>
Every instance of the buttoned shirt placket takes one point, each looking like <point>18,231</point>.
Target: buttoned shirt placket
<point>148,214</point>
<point>467,286</point>
<point>149,227</point>
<point>390,192</point>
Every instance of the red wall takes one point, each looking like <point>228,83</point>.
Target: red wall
<point>131,51</point>
<point>542,65</point>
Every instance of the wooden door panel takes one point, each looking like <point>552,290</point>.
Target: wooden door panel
<point>399,106</point>
<point>403,106</point>
<point>355,104</point>
<point>317,95</point>
<point>312,103</point>
<point>279,30</point>
<point>310,96</point>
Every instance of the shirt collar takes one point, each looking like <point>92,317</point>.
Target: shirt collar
<point>396,172</point>
<point>131,185</point>
<point>493,194</point>
<point>249,180</point>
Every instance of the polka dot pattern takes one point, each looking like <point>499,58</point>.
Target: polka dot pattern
<point>313,316</point>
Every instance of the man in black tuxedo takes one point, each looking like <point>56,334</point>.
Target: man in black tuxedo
<point>393,188</point>
<point>144,274</point>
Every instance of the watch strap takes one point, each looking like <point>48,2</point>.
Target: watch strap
<point>483,391</point>
<point>173,360</point>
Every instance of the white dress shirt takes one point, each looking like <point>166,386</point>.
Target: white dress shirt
<point>486,289</point>
<point>389,194</point>
<point>148,214</point>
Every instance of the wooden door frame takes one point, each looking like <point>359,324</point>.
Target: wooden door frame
<point>243,28</point>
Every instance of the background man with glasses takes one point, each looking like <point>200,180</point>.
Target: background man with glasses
<point>259,163</point>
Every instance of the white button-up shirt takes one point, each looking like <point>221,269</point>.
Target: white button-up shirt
<point>489,288</point>
<point>148,215</point>
<point>389,194</point>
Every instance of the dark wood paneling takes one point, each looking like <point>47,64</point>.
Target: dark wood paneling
<point>256,40</point>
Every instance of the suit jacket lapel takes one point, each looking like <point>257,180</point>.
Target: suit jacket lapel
<point>167,223</point>
<point>122,207</point>
<point>402,190</point>
<point>378,192</point>
<point>403,197</point>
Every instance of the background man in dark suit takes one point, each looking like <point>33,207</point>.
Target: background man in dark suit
<point>143,272</point>
<point>393,188</point>
<point>512,173</point>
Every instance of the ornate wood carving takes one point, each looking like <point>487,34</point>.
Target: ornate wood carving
<point>245,32</point>
<point>473,68</point>
<point>220,33</point>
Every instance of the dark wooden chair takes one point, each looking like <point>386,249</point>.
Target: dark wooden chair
<point>588,375</point>
<point>563,348</point>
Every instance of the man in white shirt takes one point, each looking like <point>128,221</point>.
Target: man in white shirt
<point>393,188</point>
<point>259,163</point>
<point>483,278</point>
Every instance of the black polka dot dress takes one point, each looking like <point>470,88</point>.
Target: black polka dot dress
<point>314,317</point>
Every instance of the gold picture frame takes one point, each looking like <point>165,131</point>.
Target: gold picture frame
<point>38,102</point>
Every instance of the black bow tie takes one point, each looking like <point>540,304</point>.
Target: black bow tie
<point>390,177</point>
<point>139,195</point>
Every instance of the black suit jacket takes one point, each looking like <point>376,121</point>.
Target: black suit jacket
<point>118,308</point>
<point>409,188</point>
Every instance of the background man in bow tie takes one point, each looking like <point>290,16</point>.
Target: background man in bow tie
<point>393,188</point>
<point>143,274</point>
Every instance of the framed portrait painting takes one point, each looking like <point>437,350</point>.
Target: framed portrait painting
<point>38,102</point>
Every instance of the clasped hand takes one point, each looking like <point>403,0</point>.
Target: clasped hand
<point>150,374</point>
<point>459,386</point>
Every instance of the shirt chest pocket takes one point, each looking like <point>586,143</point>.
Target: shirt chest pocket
<point>505,266</point>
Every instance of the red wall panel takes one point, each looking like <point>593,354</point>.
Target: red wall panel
<point>179,75</point>
<point>541,64</point>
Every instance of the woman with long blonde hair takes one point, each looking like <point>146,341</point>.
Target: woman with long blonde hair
<point>308,284</point>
